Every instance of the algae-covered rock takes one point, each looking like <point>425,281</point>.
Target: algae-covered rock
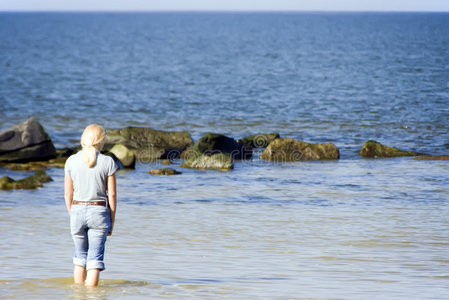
<point>164,171</point>
<point>125,155</point>
<point>31,182</point>
<point>58,162</point>
<point>373,149</point>
<point>166,162</point>
<point>5,182</point>
<point>218,161</point>
<point>23,166</point>
<point>213,143</point>
<point>288,150</point>
<point>439,157</point>
<point>258,140</point>
<point>26,141</point>
<point>149,144</point>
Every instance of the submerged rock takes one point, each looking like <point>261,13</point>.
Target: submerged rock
<point>373,149</point>
<point>258,140</point>
<point>288,150</point>
<point>31,182</point>
<point>218,161</point>
<point>150,144</point>
<point>26,141</point>
<point>164,171</point>
<point>213,143</point>
<point>124,155</point>
<point>440,157</point>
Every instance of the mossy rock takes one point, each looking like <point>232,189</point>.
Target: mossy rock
<point>213,143</point>
<point>22,166</point>
<point>31,182</point>
<point>149,144</point>
<point>373,149</point>
<point>258,140</point>
<point>164,171</point>
<point>219,161</point>
<point>126,156</point>
<point>440,157</point>
<point>36,165</point>
<point>290,150</point>
<point>166,162</point>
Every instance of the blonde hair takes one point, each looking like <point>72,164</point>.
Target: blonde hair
<point>92,140</point>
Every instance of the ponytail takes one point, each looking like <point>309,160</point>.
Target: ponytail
<point>92,140</point>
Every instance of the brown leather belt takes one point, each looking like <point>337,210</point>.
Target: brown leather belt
<point>98,203</point>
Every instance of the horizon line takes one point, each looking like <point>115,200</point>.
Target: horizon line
<point>229,11</point>
<point>217,11</point>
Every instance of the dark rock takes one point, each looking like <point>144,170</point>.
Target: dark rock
<point>149,144</point>
<point>440,157</point>
<point>31,182</point>
<point>258,140</point>
<point>116,160</point>
<point>218,161</point>
<point>67,152</point>
<point>373,149</point>
<point>288,150</point>
<point>25,142</point>
<point>212,143</point>
<point>164,171</point>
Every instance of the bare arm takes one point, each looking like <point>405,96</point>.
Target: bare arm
<point>68,192</point>
<point>112,199</point>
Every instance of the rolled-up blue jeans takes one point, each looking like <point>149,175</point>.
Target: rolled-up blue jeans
<point>89,226</point>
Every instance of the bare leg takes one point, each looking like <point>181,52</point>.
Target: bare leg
<point>93,275</point>
<point>79,274</point>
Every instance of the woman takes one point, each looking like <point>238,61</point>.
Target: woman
<point>90,197</point>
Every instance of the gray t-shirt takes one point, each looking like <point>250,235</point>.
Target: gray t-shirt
<point>90,184</point>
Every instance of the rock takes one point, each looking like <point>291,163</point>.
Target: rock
<point>66,152</point>
<point>36,165</point>
<point>31,182</point>
<point>5,182</point>
<point>258,140</point>
<point>125,155</point>
<point>166,162</point>
<point>373,149</point>
<point>25,142</point>
<point>164,171</point>
<point>58,162</point>
<point>150,144</point>
<point>440,157</point>
<point>218,161</point>
<point>116,160</point>
<point>288,150</point>
<point>212,143</point>
<point>22,166</point>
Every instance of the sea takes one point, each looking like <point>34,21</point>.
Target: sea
<point>353,228</point>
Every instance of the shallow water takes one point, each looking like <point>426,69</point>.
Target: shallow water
<point>349,229</point>
<point>329,230</point>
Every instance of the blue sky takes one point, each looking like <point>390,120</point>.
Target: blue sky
<point>264,5</point>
